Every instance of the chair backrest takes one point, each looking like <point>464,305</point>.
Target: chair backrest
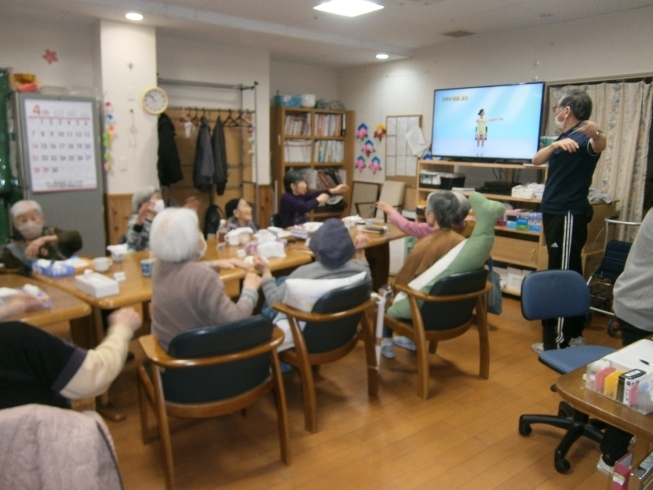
<point>327,336</point>
<point>213,383</point>
<point>392,192</point>
<point>446,315</point>
<point>614,259</point>
<point>212,219</point>
<point>275,220</point>
<point>554,294</point>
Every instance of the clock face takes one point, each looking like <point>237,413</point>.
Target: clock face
<point>155,100</point>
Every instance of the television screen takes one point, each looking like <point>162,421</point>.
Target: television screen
<point>498,122</point>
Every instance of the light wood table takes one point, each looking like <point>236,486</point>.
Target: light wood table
<point>64,307</point>
<point>571,388</point>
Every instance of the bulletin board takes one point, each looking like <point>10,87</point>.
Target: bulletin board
<point>400,163</point>
<point>60,143</point>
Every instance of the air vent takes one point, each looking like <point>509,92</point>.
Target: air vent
<point>458,33</point>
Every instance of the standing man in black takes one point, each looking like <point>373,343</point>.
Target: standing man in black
<point>566,210</point>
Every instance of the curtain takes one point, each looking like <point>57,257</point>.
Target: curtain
<point>623,112</point>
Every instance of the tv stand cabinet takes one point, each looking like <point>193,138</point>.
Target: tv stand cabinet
<point>525,249</point>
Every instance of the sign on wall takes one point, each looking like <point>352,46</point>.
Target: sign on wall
<point>60,144</point>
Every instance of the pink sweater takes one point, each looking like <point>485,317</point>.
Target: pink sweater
<point>411,228</point>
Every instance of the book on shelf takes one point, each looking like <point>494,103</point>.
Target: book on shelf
<point>329,124</point>
<point>297,151</point>
<point>297,124</point>
<point>329,151</point>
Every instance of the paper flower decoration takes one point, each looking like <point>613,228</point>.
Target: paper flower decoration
<point>368,148</point>
<point>375,164</point>
<point>361,132</point>
<point>380,132</point>
<point>360,163</point>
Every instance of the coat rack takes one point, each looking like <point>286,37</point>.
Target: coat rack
<point>240,88</point>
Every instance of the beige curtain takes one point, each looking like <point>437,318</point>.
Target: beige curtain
<point>623,111</point>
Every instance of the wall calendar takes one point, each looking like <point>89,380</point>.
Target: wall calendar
<point>61,145</point>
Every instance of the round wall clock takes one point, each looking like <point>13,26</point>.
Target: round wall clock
<point>155,100</point>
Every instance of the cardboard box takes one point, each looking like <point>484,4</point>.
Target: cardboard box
<point>97,285</point>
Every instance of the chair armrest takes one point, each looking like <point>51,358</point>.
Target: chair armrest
<point>451,297</point>
<point>321,317</point>
<point>156,355</point>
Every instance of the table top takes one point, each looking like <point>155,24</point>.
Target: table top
<point>138,289</point>
<point>571,388</point>
<point>65,307</point>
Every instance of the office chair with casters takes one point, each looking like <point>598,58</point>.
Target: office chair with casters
<point>555,294</point>
<point>451,307</point>
<point>211,371</point>
<point>330,333</point>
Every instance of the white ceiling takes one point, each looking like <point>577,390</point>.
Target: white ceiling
<point>291,30</point>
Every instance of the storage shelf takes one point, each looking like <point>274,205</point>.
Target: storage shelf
<point>515,166</point>
<point>496,197</point>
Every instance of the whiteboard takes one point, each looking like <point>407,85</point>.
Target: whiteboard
<point>60,142</point>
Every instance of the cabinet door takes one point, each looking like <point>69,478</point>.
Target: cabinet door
<point>516,251</point>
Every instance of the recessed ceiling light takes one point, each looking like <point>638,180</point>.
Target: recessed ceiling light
<point>348,8</point>
<point>133,16</point>
<point>382,56</point>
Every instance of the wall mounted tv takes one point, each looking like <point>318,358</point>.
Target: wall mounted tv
<point>500,122</point>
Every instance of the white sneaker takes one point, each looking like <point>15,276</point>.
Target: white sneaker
<point>387,349</point>
<point>604,467</point>
<point>577,341</point>
<point>404,342</point>
<point>538,347</point>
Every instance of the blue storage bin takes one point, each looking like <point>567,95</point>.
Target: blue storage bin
<point>287,100</point>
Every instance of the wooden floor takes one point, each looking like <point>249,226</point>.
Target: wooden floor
<point>464,437</point>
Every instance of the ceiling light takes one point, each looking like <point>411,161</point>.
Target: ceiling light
<point>348,8</point>
<point>382,56</point>
<point>133,16</point>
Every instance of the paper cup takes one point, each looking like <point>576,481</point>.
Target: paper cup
<point>102,264</point>
<point>146,267</point>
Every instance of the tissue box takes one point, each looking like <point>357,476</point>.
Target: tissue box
<point>97,285</point>
<point>52,269</point>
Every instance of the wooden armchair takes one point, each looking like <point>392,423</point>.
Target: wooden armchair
<point>209,372</point>
<point>453,305</point>
<point>331,332</point>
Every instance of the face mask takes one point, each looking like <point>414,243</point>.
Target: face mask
<point>31,230</point>
<point>559,124</point>
<point>159,205</point>
<point>202,249</point>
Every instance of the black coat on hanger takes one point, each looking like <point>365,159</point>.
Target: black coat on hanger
<point>203,166</point>
<point>168,165</point>
<point>220,173</point>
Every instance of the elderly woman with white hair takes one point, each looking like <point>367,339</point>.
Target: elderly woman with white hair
<point>34,240</point>
<point>185,293</point>
<point>443,209</point>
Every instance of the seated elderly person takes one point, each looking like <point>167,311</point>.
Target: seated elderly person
<point>35,240</point>
<point>338,256</point>
<point>421,229</point>
<point>443,208</point>
<point>239,215</point>
<point>187,294</point>
<point>146,203</point>
<point>37,367</point>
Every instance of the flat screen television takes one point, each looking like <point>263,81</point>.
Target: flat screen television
<point>500,122</point>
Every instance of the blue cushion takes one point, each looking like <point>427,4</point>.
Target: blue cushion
<point>568,360</point>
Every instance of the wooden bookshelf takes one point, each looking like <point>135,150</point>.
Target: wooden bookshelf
<point>314,139</point>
